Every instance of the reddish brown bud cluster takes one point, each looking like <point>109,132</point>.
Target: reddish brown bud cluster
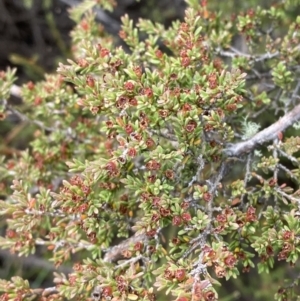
<point>2,75</point>
<point>148,92</point>
<point>184,27</point>
<point>129,129</point>
<point>221,218</point>
<point>272,182</point>
<point>213,80</point>
<point>136,136</point>
<point>164,212</point>
<point>122,34</point>
<point>115,65</point>
<point>5,297</point>
<point>179,274</point>
<point>230,261</point>
<point>133,102</point>
<point>151,178</point>
<point>209,254</point>
<point>122,102</point>
<point>138,71</point>
<point>92,237</point>
<point>104,52</point>
<point>282,255</point>
<point>150,143</point>
<point>159,54</point>
<point>83,63</point>
<point>77,267</point>
<point>107,292</point>
<point>144,124</point>
<point>30,85</point>
<point>83,208</point>
<point>37,100</point>
<point>186,216</point>
<point>153,165</point>
<point>168,274</point>
<point>218,64</point>
<point>138,246</point>
<point>84,25</point>
<point>132,152</point>
<point>151,233</point>
<point>176,221</point>
<point>209,296</point>
<point>231,107</point>
<point>251,13</point>
<point>287,235</point>
<point>183,299</point>
<point>207,196</point>
<point>72,279</point>
<point>155,217</point>
<point>11,233</point>
<point>112,168</point>
<point>191,126</point>
<point>185,61</point>
<point>109,124</point>
<point>170,174</point>
<point>76,180</point>
<point>129,86</point>
<point>186,107</point>
<point>250,214</point>
<point>175,241</point>
<point>90,81</point>
<point>108,186</point>
<point>220,271</point>
<point>163,113</point>
<point>122,284</point>
<point>2,116</point>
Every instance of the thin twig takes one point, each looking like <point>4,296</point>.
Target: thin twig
<point>256,58</point>
<point>291,158</point>
<point>129,261</point>
<point>25,118</point>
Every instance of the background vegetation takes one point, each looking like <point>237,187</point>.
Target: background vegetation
<point>238,75</point>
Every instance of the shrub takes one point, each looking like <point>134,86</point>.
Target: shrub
<point>164,167</point>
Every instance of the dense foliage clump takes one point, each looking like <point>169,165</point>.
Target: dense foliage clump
<point>160,168</point>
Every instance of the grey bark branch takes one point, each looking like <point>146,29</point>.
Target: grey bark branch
<point>265,135</point>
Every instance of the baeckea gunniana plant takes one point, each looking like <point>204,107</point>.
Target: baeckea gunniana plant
<point>163,166</point>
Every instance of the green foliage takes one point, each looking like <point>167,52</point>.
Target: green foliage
<point>6,81</point>
<point>129,167</point>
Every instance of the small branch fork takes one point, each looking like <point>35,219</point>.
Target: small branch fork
<point>235,150</point>
<point>269,133</point>
<point>256,58</point>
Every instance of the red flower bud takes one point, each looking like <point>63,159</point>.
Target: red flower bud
<point>90,81</point>
<point>129,86</point>
<point>180,274</point>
